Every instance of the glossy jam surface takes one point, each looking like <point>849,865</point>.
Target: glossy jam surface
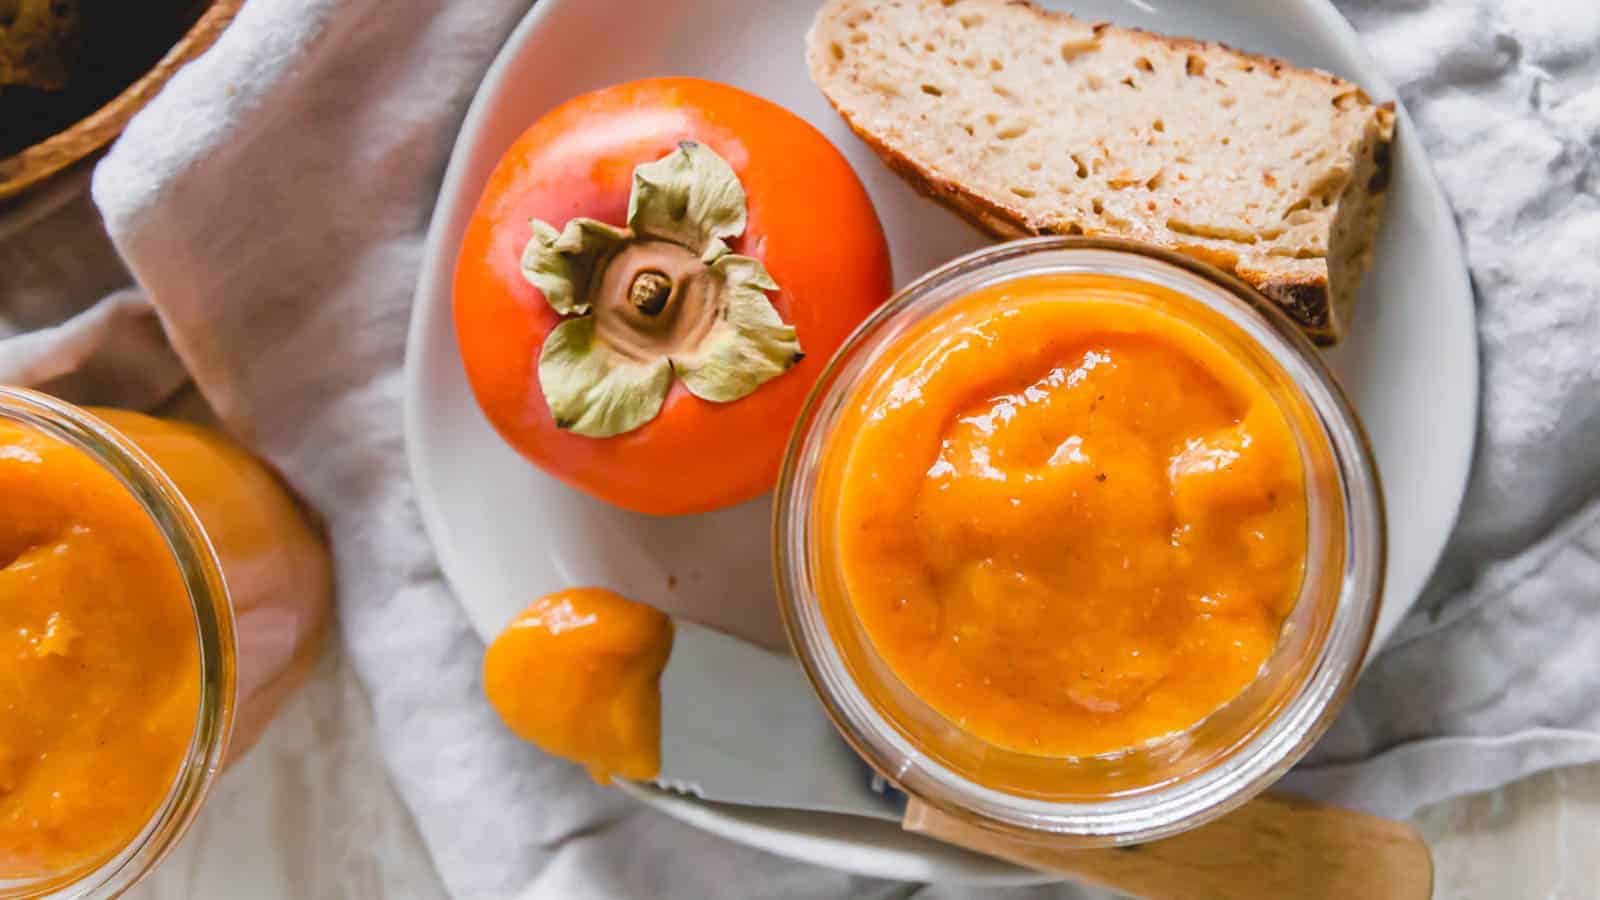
<point>99,667</point>
<point>1068,519</point>
<point>578,673</point>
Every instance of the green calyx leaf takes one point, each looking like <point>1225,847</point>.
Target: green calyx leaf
<point>594,391</point>
<point>691,197</point>
<point>562,264</point>
<point>749,344</point>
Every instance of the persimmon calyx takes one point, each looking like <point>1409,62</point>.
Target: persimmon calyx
<point>662,297</point>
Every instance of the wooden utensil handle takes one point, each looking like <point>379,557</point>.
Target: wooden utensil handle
<point>1274,847</point>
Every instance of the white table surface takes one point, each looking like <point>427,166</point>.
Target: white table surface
<point>311,814</point>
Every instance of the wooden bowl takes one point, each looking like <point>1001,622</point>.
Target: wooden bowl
<point>97,122</point>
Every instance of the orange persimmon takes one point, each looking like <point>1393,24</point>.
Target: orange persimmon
<point>647,416</point>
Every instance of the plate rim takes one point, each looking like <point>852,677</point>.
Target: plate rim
<point>1460,270</point>
<point>773,838</point>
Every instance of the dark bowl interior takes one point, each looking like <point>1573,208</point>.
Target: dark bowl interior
<point>122,39</point>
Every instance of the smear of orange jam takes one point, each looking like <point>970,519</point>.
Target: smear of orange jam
<point>1069,519</point>
<point>578,673</point>
<point>99,665</point>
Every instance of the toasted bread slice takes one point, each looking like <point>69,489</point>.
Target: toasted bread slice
<point>1029,122</point>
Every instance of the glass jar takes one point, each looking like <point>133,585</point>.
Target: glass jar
<point>258,579</point>
<point>1161,787</point>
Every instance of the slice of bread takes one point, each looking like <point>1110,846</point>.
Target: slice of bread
<point>1028,122</point>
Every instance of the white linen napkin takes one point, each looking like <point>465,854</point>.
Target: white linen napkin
<point>271,203</point>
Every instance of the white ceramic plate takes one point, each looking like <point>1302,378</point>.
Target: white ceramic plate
<point>506,533</point>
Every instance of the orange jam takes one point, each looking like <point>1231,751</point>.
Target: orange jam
<point>99,647</point>
<point>579,674</point>
<point>279,572</point>
<point>1069,518</point>
<point>99,660</point>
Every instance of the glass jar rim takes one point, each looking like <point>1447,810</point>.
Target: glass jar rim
<point>201,573</point>
<point>1162,810</point>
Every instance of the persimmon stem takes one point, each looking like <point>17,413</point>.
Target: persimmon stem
<point>650,291</point>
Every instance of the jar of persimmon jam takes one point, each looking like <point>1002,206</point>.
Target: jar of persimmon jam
<point>1078,538</point>
<point>161,592</point>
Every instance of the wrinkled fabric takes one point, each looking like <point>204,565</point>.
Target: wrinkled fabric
<point>1496,671</point>
<point>272,202</point>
